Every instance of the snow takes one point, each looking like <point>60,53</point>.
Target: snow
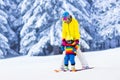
<point>1,54</point>
<point>36,49</point>
<point>2,37</point>
<point>111,30</point>
<point>1,2</point>
<point>70,8</point>
<point>82,42</point>
<point>41,20</point>
<point>2,13</point>
<point>23,6</point>
<point>85,35</point>
<point>105,62</point>
<point>28,38</point>
<point>27,25</point>
<point>52,38</point>
<point>3,19</point>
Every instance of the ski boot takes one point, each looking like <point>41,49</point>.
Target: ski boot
<point>73,69</point>
<point>65,68</point>
<point>85,67</point>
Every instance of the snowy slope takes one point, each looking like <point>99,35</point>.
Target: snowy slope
<point>106,63</point>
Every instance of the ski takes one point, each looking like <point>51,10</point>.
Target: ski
<point>59,70</point>
<point>84,69</point>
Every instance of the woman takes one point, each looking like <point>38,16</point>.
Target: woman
<point>70,33</point>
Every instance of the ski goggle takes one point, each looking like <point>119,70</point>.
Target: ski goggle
<point>65,18</point>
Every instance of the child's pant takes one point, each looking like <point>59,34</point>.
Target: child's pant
<point>69,57</point>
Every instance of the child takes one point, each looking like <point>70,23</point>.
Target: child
<point>70,53</point>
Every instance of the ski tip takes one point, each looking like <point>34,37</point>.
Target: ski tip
<point>56,70</point>
<point>73,70</point>
<point>91,67</point>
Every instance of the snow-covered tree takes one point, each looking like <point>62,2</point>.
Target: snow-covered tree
<point>42,23</point>
<point>4,46</point>
<point>105,18</point>
<point>8,27</point>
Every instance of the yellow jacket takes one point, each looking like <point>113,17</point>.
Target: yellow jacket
<point>70,31</point>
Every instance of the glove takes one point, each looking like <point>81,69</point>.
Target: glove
<point>64,43</point>
<point>75,42</point>
<point>62,48</point>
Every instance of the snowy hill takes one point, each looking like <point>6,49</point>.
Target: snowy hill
<point>106,63</point>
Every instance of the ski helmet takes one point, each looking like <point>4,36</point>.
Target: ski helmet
<point>65,15</point>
